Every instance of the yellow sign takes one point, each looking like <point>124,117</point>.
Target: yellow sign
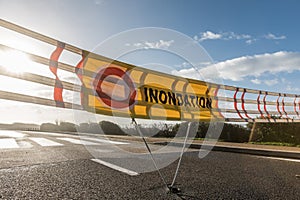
<point>120,89</point>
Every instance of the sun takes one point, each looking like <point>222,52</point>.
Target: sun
<point>14,61</point>
<point>13,52</point>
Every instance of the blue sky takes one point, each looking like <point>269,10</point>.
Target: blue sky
<point>254,43</point>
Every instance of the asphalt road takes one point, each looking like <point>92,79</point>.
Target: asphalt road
<point>56,166</point>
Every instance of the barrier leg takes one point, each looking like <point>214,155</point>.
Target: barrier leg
<point>252,134</point>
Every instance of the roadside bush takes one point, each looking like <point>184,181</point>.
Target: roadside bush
<point>67,127</point>
<point>277,132</point>
<point>49,127</point>
<point>111,128</point>
<point>230,132</point>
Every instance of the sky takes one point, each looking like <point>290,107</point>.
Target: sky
<point>253,44</point>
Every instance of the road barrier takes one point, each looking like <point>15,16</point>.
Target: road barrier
<point>111,87</point>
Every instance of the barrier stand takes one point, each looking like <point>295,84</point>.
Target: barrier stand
<point>252,134</point>
<point>150,152</point>
<point>170,187</point>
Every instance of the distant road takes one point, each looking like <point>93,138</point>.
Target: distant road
<point>37,165</point>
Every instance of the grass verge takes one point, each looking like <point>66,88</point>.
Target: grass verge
<point>276,144</point>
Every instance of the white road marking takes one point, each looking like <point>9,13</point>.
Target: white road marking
<point>115,167</point>
<point>8,143</point>
<point>24,144</point>
<point>104,150</point>
<point>283,159</point>
<point>47,133</point>
<point>45,142</point>
<point>12,134</point>
<point>76,141</point>
<point>104,140</point>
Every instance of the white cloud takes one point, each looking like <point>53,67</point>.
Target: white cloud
<point>271,82</point>
<point>135,44</point>
<point>161,44</point>
<point>208,35</point>
<point>271,36</point>
<point>249,39</point>
<point>234,36</point>
<point>186,65</point>
<point>249,66</point>
<point>256,81</point>
<point>188,73</point>
<point>292,88</point>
